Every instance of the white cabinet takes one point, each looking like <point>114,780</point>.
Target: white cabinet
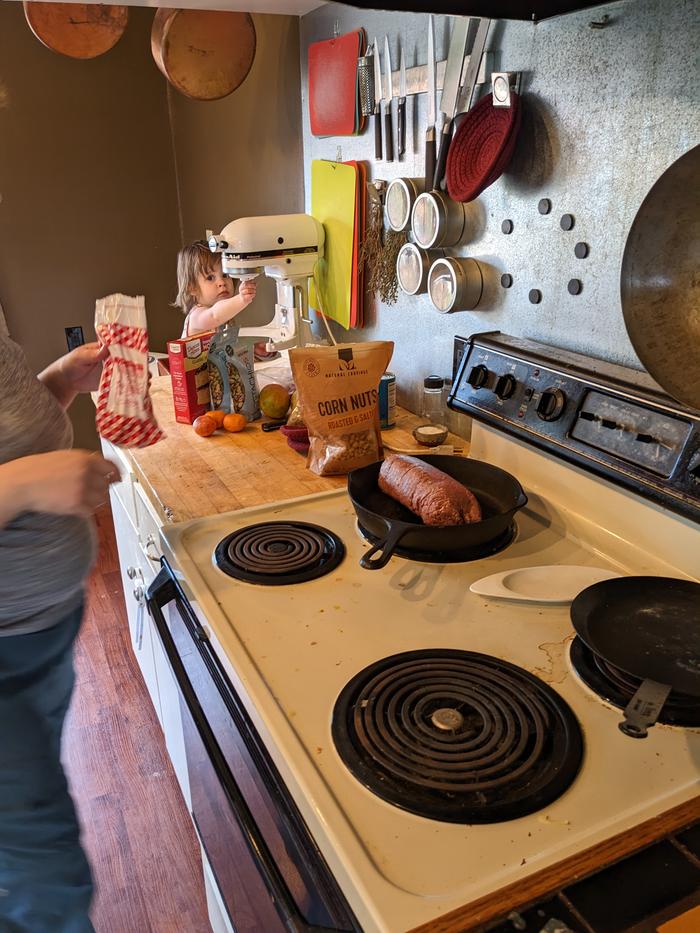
<point>137,530</point>
<point>134,583</point>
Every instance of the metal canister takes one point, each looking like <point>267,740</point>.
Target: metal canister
<point>387,401</point>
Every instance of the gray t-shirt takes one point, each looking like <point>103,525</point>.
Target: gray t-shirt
<point>44,558</point>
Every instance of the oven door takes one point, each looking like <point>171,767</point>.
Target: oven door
<point>270,872</point>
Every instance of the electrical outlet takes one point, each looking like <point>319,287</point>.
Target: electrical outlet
<point>74,337</point>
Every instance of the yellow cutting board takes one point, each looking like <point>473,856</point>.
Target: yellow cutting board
<point>333,196</point>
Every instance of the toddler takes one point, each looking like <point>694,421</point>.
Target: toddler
<point>204,293</point>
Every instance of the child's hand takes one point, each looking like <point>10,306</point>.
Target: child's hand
<point>247,291</point>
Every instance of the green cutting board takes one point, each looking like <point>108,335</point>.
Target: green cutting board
<point>333,196</point>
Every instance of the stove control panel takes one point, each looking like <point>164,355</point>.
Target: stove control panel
<point>612,420</point>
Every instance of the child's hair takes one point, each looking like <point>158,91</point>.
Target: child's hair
<point>196,259</point>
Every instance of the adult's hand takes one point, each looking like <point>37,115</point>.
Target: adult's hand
<point>77,371</point>
<point>62,482</point>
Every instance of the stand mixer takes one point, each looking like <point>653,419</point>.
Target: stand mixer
<point>286,248</point>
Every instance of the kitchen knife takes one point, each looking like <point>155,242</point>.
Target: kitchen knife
<point>386,100</point>
<point>430,127</point>
<point>471,74</point>
<point>377,103</point>
<point>401,110</point>
<point>450,90</point>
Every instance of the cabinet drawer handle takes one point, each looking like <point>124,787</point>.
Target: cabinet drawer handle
<point>151,542</point>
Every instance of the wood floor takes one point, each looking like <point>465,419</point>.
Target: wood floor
<point>136,829</point>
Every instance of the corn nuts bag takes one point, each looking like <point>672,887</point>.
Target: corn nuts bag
<point>338,388</point>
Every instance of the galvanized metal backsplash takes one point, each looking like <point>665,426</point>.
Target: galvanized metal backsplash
<point>607,110</point>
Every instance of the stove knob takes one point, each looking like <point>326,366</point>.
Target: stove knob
<point>505,386</point>
<point>551,404</point>
<point>478,377</point>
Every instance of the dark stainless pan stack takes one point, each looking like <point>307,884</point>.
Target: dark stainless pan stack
<point>649,629</point>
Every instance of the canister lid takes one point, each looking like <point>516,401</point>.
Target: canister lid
<point>442,285</point>
<point>410,269</point>
<point>433,382</point>
<point>425,220</point>
<point>398,204</point>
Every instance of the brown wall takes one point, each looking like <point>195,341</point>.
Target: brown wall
<point>87,182</point>
<point>242,155</point>
<point>88,190</point>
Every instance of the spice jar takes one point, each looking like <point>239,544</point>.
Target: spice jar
<point>432,408</point>
<point>455,283</point>
<point>436,220</point>
<point>412,266</point>
<point>401,194</point>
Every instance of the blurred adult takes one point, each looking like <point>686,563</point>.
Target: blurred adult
<point>48,493</point>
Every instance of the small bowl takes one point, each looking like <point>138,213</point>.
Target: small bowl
<point>431,435</point>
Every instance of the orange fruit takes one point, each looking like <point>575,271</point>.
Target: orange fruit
<point>234,423</point>
<point>218,415</point>
<point>204,425</point>
<point>274,401</point>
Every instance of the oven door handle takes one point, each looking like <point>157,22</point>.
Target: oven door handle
<point>163,590</point>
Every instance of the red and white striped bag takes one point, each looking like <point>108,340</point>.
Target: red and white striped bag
<point>124,411</point>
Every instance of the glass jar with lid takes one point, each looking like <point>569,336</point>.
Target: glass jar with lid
<point>433,409</point>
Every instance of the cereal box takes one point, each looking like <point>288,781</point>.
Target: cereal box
<point>189,376</point>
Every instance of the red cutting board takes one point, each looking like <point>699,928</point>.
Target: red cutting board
<point>333,92</point>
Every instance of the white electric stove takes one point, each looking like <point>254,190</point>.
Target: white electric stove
<point>290,651</point>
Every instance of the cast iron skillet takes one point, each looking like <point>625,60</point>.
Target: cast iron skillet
<point>649,627</point>
<point>500,495</point>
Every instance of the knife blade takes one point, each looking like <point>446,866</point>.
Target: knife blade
<point>377,103</point>
<point>401,109</point>
<point>389,93</point>
<point>472,70</point>
<point>450,90</point>
<point>430,118</point>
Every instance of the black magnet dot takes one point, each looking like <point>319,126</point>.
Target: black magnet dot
<point>535,296</point>
<point>567,222</point>
<point>506,280</point>
<point>574,286</point>
<point>544,206</point>
<point>581,250</point>
<point>507,226</point>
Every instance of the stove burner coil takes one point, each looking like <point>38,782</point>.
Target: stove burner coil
<point>276,553</point>
<point>457,736</point>
<point>618,687</point>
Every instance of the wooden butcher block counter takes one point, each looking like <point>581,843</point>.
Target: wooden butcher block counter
<point>186,476</point>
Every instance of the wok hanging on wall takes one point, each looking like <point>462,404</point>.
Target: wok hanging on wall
<point>660,284</point>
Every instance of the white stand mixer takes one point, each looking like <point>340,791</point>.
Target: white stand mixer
<point>284,247</point>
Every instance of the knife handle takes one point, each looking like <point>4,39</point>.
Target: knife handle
<point>378,137</point>
<point>388,135</point>
<point>401,113</point>
<point>429,157</point>
<point>445,139</point>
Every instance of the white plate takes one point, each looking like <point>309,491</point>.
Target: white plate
<point>553,583</point>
